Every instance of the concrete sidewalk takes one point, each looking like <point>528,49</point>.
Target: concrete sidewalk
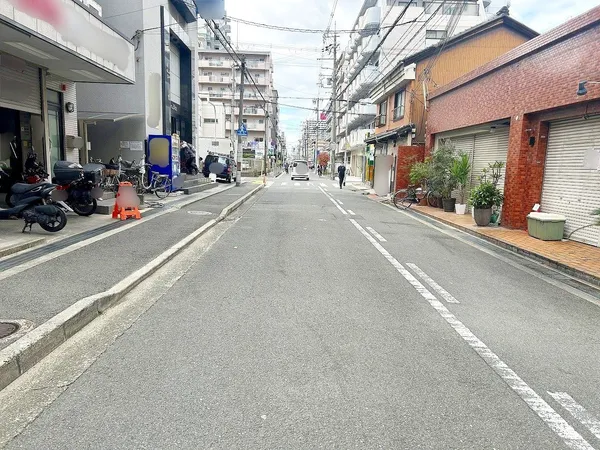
<point>576,259</point>
<point>40,283</point>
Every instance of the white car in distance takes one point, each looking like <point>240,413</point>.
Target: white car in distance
<point>300,169</point>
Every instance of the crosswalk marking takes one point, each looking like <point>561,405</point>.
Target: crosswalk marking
<point>323,184</point>
<point>296,184</point>
<point>284,183</point>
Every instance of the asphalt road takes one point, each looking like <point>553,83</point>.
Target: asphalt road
<point>321,319</point>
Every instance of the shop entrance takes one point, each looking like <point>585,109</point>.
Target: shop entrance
<point>55,129</point>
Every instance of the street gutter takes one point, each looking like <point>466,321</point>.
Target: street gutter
<point>26,352</point>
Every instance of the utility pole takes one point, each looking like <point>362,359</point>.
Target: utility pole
<point>240,154</point>
<point>316,136</point>
<point>267,143</point>
<point>334,106</point>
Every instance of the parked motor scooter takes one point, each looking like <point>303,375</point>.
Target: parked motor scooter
<point>188,159</point>
<point>30,205</point>
<point>79,187</point>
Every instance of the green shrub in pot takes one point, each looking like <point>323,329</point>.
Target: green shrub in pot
<point>483,198</point>
<point>460,171</point>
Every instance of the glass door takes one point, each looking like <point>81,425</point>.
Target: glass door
<point>55,129</point>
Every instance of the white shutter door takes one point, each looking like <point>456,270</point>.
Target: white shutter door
<point>20,89</point>
<point>569,187</point>
<point>489,148</point>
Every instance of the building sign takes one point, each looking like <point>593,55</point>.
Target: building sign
<point>248,153</point>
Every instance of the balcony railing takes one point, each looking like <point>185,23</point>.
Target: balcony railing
<point>380,120</point>
<point>399,112</point>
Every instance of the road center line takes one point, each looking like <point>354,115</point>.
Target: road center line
<point>339,202</point>
<point>352,213</point>
<point>436,287</point>
<point>577,411</point>
<point>536,403</point>
<point>379,237</point>
<point>333,201</point>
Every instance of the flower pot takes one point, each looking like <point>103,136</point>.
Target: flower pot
<point>460,208</point>
<point>482,216</point>
<point>439,202</point>
<point>448,204</point>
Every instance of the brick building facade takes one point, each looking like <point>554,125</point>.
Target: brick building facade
<point>530,87</point>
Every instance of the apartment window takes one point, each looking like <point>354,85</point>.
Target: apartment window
<point>435,34</point>
<point>207,74</point>
<point>207,120</point>
<point>261,121</point>
<point>382,117</point>
<point>209,88</point>
<point>399,3</point>
<point>224,74</point>
<point>399,104</point>
<point>245,120</point>
<point>449,8</point>
<point>223,89</point>
<point>228,117</point>
<point>261,139</point>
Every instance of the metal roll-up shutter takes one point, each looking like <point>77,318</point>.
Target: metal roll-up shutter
<point>571,184</point>
<point>19,86</point>
<point>489,148</point>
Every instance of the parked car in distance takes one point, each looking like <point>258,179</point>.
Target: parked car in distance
<point>223,167</point>
<point>300,169</point>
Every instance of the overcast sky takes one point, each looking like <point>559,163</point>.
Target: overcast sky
<point>295,55</point>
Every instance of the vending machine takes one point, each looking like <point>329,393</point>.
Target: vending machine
<point>163,154</point>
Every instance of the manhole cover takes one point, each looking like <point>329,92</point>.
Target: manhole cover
<point>7,328</point>
<point>200,213</point>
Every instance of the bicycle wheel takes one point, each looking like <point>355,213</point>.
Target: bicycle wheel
<point>400,197</point>
<point>431,200</point>
<point>163,188</point>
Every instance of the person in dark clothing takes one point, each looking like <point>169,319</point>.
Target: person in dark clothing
<point>341,174</point>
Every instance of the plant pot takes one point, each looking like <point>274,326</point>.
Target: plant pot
<point>439,202</point>
<point>482,216</point>
<point>460,208</point>
<point>448,204</point>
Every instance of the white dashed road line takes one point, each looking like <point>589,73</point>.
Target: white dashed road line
<point>339,202</point>
<point>284,183</point>
<point>296,184</point>
<point>352,213</point>
<point>536,403</point>
<point>578,412</point>
<point>436,287</point>
<point>334,202</point>
<point>377,235</point>
<point>323,184</point>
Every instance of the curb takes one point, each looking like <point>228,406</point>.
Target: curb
<point>20,247</point>
<point>571,271</point>
<point>26,352</point>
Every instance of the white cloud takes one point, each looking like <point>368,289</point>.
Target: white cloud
<point>296,64</point>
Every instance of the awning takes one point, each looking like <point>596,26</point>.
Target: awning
<point>389,135</point>
<point>90,116</point>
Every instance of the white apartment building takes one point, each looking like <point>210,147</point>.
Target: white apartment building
<point>313,138</point>
<point>218,92</point>
<point>362,63</point>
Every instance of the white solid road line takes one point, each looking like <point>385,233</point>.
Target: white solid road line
<point>352,213</point>
<point>377,235</point>
<point>436,287</point>
<point>578,412</point>
<point>536,403</point>
<point>339,202</point>
<point>334,202</point>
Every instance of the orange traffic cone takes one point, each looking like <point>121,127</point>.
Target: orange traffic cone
<point>129,203</point>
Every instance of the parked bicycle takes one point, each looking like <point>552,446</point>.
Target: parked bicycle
<point>160,184</point>
<point>405,198</point>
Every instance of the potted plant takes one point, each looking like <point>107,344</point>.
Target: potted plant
<point>460,170</point>
<point>419,174</point>
<point>486,197</point>
<point>442,182</point>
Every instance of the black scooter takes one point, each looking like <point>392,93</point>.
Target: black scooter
<point>30,205</point>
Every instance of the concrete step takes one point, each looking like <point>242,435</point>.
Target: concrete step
<point>195,181</point>
<point>198,188</point>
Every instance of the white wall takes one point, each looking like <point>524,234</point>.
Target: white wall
<point>105,138</point>
<point>212,130</point>
<point>70,124</point>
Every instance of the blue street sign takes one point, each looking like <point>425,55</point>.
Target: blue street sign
<point>242,131</point>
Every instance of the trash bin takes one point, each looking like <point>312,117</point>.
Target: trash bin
<point>545,226</point>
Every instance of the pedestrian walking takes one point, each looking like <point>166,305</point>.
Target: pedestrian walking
<point>342,174</point>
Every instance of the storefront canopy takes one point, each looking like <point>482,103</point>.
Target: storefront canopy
<point>389,135</point>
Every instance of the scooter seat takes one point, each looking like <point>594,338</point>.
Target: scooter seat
<point>23,188</point>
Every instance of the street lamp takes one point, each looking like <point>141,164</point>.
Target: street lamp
<point>581,90</point>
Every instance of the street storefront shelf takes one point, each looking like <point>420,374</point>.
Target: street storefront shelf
<point>576,259</point>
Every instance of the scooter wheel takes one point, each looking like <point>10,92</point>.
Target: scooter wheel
<point>85,209</point>
<point>58,224</point>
